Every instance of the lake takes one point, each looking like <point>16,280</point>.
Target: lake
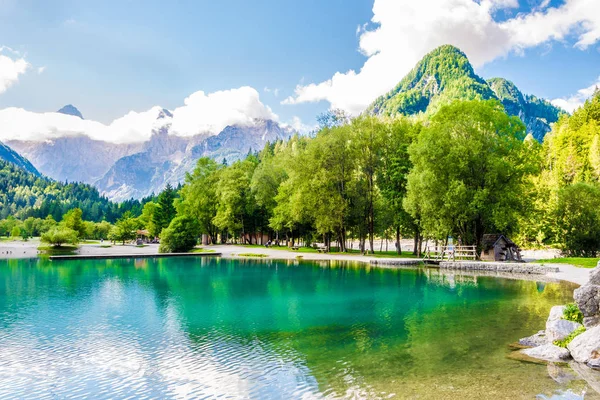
<point>211,327</point>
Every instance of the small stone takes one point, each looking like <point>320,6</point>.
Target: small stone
<point>560,329</point>
<point>586,346</point>
<point>538,339</point>
<point>548,352</point>
<point>595,363</point>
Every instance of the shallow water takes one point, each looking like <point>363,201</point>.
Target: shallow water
<point>204,328</point>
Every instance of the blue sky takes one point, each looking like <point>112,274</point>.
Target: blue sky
<point>111,57</point>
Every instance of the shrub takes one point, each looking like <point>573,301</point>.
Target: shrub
<point>565,342</point>
<point>58,236</point>
<point>572,313</point>
<point>180,237</point>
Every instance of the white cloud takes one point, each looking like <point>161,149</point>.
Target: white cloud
<point>10,68</point>
<point>214,111</point>
<point>407,30</point>
<point>202,113</point>
<point>270,90</point>
<point>575,101</point>
<point>41,70</point>
<point>297,125</point>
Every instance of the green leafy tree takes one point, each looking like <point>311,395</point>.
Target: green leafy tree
<point>468,173</point>
<point>124,229</point>
<point>199,196</point>
<point>578,219</point>
<point>15,232</point>
<point>102,230</point>
<point>165,212</point>
<point>181,236</point>
<point>59,235</point>
<point>73,220</point>
<point>147,218</point>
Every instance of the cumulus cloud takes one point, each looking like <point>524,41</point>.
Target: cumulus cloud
<point>298,126</point>
<point>573,102</point>
<point>212,112</point>
<point>10,68</point>
<point>407,30</point>
<point>201,113</point>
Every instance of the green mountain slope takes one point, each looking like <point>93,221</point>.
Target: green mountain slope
<point>24,194</point>
<point>445,75</point>
<point>11,156</point>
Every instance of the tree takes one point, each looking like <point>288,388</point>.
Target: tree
<point>147,218</point>
<point>578,220</point>
<point>72,220</point>
<point>58,236</point>
<point>102,229</point>
<point>468,173</point>
<point>165,212</point>
<point>199,198</point>
<point>124,230</point>
<point>15,232</point>
<point>181,236</point>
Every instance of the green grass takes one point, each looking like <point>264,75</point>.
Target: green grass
<point>581,262</point>
<point>378,254</point>
<point>57,251</point>
<point>200,250</point>
<point>106,246</point>
<point>252,255</point>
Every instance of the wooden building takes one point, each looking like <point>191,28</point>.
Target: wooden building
<point>497,247</point>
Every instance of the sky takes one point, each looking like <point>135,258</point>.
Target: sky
<point>215,63</point>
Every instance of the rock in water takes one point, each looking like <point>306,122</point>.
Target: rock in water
<point>585,348</point>
<point>536,340</point>
<point>560,329</point>
<point>547,352</point>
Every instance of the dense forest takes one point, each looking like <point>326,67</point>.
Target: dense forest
<point>24,194</point>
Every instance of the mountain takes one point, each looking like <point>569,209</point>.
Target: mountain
<point>166,158</point>
<point>445,75</point>
<point>70,109</point>
<point>73,158</point>
<point>11,156</point>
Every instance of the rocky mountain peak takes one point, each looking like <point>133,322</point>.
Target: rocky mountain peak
<point>70,109</point>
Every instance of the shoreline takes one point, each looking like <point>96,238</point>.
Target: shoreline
<point>28,250</point>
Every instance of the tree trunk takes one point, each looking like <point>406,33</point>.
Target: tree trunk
<point>398,244</point>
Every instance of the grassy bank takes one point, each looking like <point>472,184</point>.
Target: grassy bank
<point>581,262</point>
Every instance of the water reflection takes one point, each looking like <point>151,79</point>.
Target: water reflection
<point>210,327</point>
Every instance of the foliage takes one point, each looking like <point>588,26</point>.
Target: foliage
<point>72,220</point>
<point>124,230</point>
<point>257,255</point>
<point>15,232</point>
<point>181,236</point>
<point>165,209</point>
<point>582,262</point>
<point>578,219</point>
<point>565,342</point>
<point>468,173</point>
<point>572,313</point>
<point>60,235</point>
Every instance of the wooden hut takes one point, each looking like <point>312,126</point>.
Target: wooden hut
<point>497,247</point>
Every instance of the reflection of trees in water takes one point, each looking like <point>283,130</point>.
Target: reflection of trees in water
<point>354,328</point>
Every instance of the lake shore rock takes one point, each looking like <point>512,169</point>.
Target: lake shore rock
<point>585,348</point>
<point>587,298</point>
<point>560,329</point>
<point>539,339</point>
<point>548,352</point>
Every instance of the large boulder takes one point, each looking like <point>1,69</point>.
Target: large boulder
<point>586,347</point>
<point>547,352</point>
<point>559,329</point>
<point>587,298</point>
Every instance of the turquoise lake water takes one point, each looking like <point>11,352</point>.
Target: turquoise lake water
<point>210,327</point>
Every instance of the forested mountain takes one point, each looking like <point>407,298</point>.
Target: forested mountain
<point>11,156</point>
<point>445,75</point>
<point>24,194</point>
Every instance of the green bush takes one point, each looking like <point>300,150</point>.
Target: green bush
<point>564,343</point>
<point>180,237</point>
<point>572,313</point>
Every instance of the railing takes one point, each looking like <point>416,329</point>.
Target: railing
<point>451,253</point>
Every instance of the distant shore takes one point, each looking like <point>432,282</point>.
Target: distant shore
<point>29,249</point>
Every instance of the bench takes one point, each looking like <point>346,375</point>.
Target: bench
<point>322,249</point>
<point>295,247</point>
